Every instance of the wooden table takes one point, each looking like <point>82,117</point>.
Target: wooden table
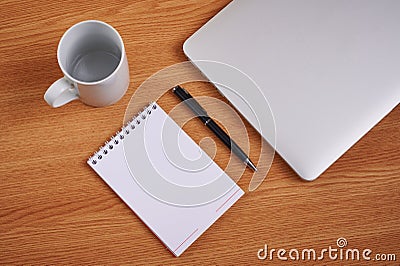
<point>55,209</point>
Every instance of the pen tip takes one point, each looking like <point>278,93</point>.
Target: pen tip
<point>251,165</point>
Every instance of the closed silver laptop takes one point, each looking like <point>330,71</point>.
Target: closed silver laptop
<point>329,69</point>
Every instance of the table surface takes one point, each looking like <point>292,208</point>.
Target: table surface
<point>55,209</point>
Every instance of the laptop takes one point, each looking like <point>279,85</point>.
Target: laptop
<point>330,70</point>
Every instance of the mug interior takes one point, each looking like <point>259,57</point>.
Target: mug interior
<point>90,51</point>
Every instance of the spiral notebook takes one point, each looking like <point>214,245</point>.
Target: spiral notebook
<point>165,178</point>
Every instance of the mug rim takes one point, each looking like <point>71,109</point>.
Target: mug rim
<point>66,74</point>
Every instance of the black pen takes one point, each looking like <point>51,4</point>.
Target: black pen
<point>203,116</point>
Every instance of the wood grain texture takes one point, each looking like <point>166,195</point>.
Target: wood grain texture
<point>55,210</point>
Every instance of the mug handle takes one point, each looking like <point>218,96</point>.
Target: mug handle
<point>61,92</point>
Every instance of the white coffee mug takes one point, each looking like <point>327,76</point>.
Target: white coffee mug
<point>92,57</point>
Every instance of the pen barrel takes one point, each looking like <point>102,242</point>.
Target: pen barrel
<point>224,137</point>
<point>203,116</point>
<point>190,102</point>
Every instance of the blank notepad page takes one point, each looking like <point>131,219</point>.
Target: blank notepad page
<point>165,178</point>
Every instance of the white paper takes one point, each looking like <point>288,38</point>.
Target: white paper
<point>154,140</point>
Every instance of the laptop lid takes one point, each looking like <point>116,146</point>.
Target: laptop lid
<point>329,69</point>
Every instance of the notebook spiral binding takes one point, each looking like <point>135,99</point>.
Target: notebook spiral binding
<point>120,135</point>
